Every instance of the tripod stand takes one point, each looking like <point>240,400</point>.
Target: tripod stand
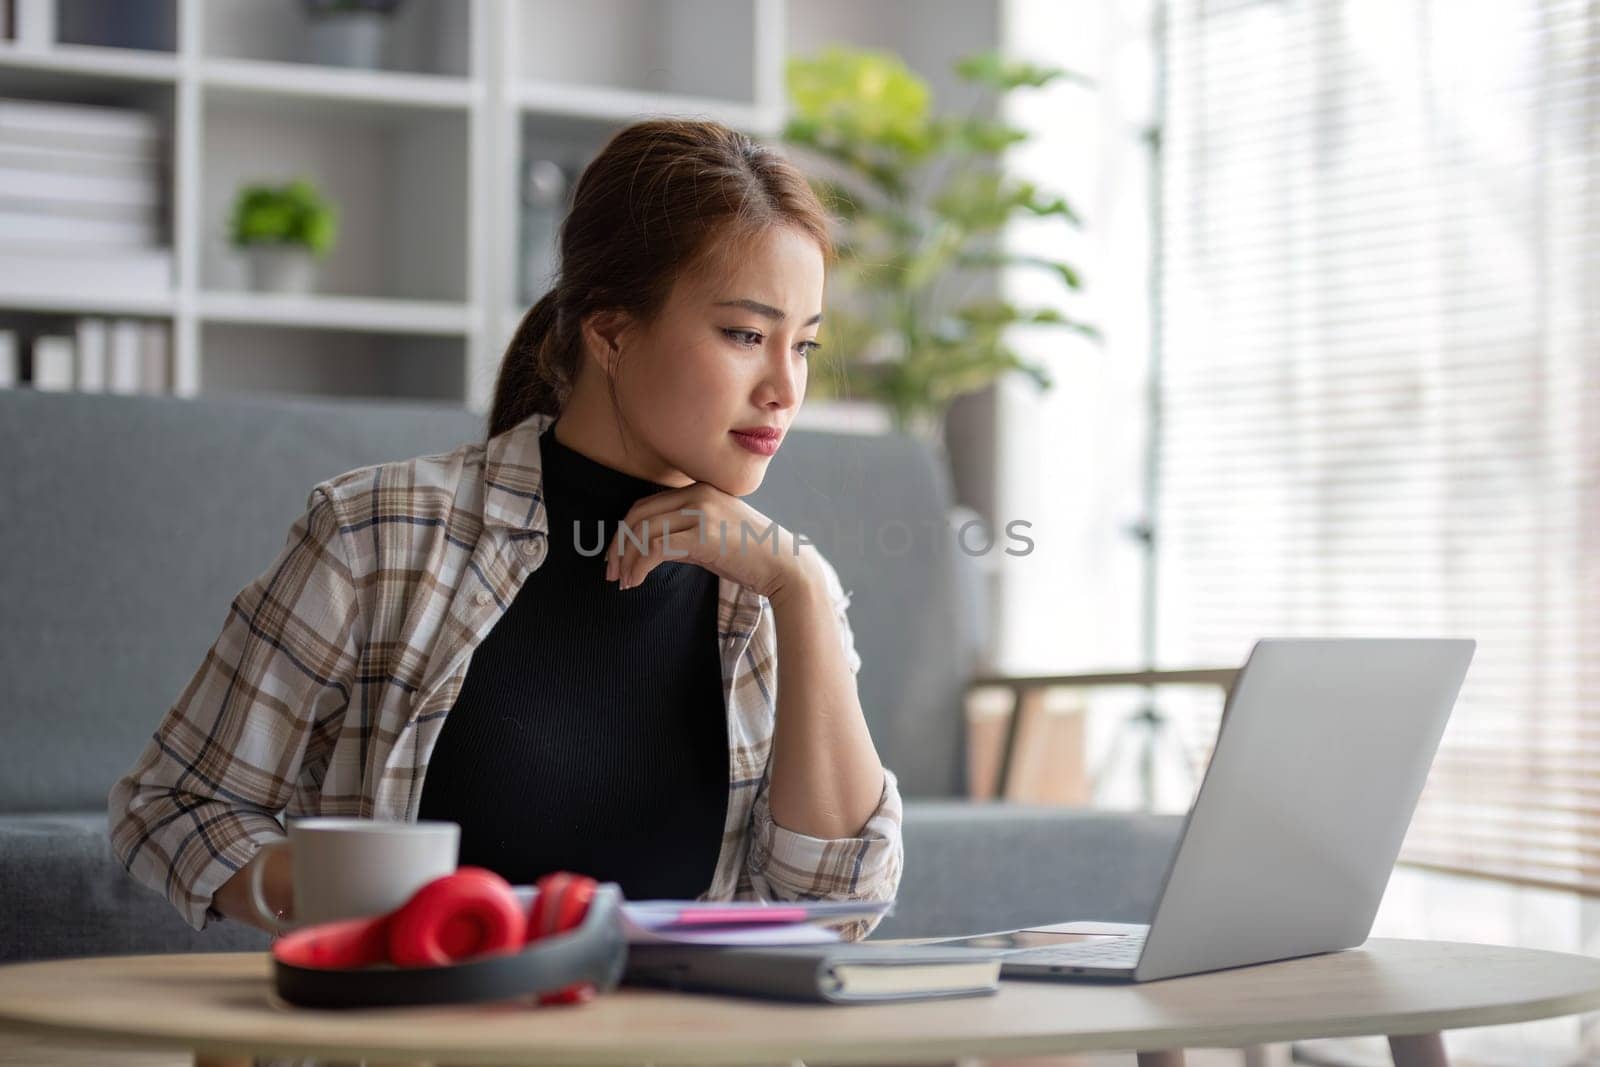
<point>1153,732</point>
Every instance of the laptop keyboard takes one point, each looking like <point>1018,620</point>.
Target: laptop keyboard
<point>1116,952</point>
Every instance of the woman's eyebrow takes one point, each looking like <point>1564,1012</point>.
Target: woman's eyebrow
<point>775,314</point>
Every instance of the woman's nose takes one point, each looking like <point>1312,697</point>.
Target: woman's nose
<point>782,380</point>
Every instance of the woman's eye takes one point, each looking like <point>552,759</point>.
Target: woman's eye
<point>749,338</point>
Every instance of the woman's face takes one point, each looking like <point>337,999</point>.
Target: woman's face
<point>728,352</point>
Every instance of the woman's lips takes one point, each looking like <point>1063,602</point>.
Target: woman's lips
<point>761,446</point>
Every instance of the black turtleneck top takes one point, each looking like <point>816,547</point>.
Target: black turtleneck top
<point>591,731</point>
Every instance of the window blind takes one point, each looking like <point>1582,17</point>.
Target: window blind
<point>1378,378</point>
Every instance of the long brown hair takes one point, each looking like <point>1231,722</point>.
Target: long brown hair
<point>663,197</point>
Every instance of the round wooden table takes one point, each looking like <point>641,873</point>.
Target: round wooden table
<point>223,1004</point>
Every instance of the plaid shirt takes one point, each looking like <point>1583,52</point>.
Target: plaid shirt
<point>335,669</point>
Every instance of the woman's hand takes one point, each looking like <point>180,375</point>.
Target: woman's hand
<point>701,524</point>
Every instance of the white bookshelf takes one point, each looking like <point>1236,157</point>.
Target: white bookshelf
<point>423,158</point>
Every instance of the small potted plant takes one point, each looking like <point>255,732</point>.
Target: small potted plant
<point>282,230</point>
<point>348,33</point>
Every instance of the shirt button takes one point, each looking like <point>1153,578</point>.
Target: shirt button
<point>529,547</point>
<point>482,597</point>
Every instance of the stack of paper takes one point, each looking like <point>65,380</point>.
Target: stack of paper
<point>743,922</point>
<point>688,922</point>
<point>82,198</point>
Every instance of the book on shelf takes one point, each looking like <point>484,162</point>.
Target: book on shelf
<point>90,127</point>
<point>34,23</point>
<point>124,358</point>
<point>37,267</point>
<point>10,356</point>
<point>126,161</point>
<point>54,367</point>
<point>155,373</point>
<point>124,196</point>
<point>87,235</point>
<point>91,340</point>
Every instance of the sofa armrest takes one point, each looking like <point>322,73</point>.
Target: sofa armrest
<point>63,894</point>
<point>972,867</point>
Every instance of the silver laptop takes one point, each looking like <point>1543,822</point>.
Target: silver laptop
<point>1323,750</point>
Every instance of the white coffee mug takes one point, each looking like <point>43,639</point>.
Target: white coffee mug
<point>356,868</point>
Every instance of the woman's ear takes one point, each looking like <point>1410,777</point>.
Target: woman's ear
<point>602,339</point>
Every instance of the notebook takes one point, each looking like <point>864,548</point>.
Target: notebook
<point>842,973</point>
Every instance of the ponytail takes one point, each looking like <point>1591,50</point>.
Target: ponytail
<point>539,367</point>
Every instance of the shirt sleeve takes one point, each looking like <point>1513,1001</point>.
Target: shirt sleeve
<point>268,699</point>
<point>783,864</point>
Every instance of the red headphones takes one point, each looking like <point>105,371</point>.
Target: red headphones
<point>463,937</point>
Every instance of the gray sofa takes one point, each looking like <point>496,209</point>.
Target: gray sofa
<point>110,599</point>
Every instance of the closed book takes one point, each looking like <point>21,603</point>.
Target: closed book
<point>40,267</point>
<point>840,973</point>
<point>124,356</point>
<point>10,360</point>
<point>71,193</point>
<point>53,363</point>
<point>155,376</point>
<point>100,160</point>
<point>91,337</point>
<point>58,124</point>
<point>35,24</point>
<point>86,235</point>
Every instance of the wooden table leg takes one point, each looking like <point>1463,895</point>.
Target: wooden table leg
<point>1172,1057</point>
<point>1417,1050</point>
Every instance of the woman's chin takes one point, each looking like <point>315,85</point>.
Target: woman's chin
<point>740,479</point>
<point>743,486</point>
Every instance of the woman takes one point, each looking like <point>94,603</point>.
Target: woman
<point>545,636</point>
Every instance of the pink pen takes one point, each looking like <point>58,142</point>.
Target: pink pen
<point>728,916</point>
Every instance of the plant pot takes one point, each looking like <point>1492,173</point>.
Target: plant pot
<point>347,39</point>
<point>280,269</point>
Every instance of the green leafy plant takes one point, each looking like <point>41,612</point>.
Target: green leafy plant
<point>904,341</point>
<point>284,215</point>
